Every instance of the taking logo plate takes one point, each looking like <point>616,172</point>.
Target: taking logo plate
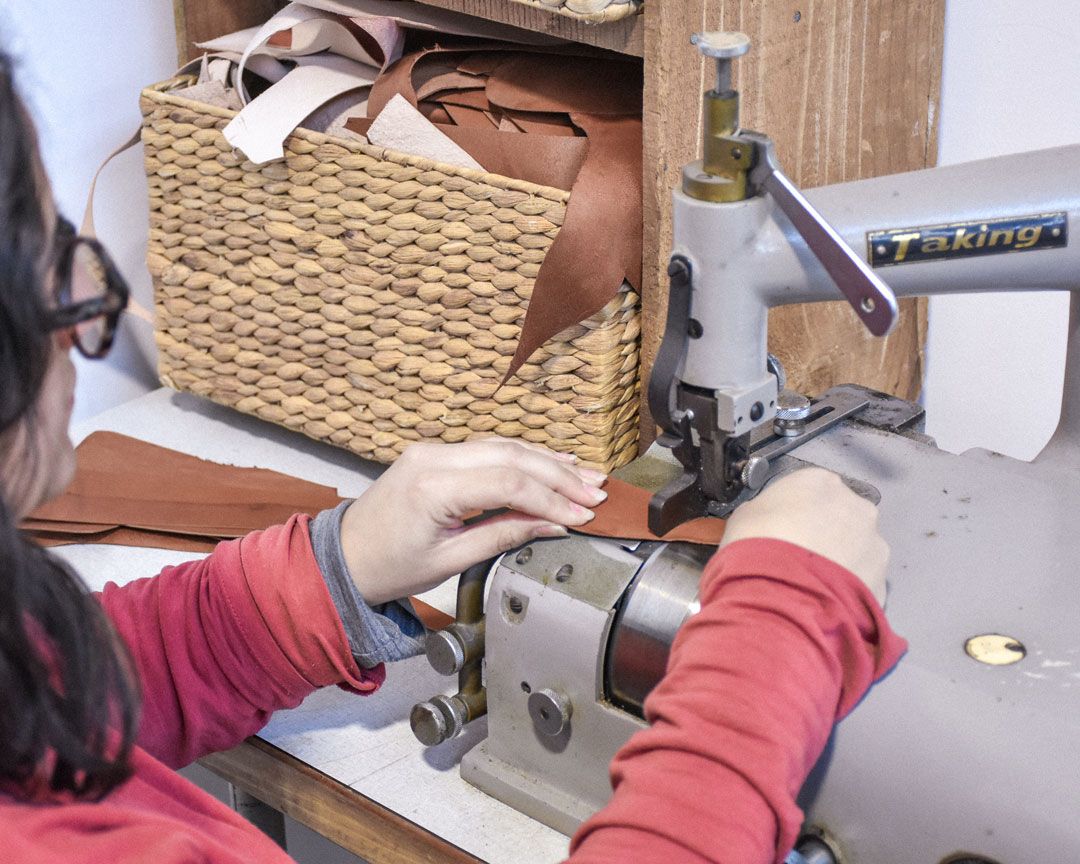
<point>967,239</point>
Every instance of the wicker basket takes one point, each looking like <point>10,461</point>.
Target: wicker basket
<point>594,11</point>
<point>369,298</point>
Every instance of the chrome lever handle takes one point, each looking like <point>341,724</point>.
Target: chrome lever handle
<point>872,300</point>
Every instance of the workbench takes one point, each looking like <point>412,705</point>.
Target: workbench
<point>346,766</point>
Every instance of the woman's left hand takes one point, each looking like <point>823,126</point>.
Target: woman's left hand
<point>406,533</point>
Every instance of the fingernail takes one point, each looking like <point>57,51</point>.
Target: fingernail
<point>598,495</point>
<point>552,530</point>
<point>593,478</point>
<point>584,513</point>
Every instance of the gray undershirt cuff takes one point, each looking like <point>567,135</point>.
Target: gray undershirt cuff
<point>386,632</point>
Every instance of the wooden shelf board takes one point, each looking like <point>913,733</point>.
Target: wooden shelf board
<point>626,36</point>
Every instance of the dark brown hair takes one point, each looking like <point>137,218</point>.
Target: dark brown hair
<point>68,703</point>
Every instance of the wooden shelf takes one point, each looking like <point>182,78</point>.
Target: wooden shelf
<point>846,90</point>
<point>626,36</point>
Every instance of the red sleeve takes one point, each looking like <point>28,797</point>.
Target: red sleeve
<point>222,643</point>
<point>786,643</point>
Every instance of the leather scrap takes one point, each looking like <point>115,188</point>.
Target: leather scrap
<point>538,90</point>
<point>123,483</point>
<point>625,514</point>
<point>546,160</point>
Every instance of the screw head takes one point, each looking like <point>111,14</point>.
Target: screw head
<point>792,406</point>
<point>722,44</point>
<point>444,652</point>
<point>755,472</point>
<point>428,724</point>
<point>550,711</point>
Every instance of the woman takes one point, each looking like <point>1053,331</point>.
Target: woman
<point>103,695</point>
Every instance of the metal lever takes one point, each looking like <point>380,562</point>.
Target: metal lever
<point>872,300</point>
<point>722,176</point>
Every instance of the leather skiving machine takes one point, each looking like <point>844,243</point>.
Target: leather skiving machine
<point>966,752</point>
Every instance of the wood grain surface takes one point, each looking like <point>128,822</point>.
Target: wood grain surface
<point>199,20</point>
<point>625,36</point>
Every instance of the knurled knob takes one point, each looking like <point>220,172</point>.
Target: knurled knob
<point>550,711</point>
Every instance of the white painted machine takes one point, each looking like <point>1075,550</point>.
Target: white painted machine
<point>969,752</point>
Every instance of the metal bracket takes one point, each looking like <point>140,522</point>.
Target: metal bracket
<point>758,458</point>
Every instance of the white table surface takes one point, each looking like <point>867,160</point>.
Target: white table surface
<point>363,742</point>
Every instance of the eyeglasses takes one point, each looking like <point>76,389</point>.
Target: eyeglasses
<point>90,292</point>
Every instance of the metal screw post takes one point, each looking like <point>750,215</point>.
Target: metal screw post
<point>723,46</point>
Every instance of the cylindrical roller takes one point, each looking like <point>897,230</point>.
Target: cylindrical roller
<point>661,597</point>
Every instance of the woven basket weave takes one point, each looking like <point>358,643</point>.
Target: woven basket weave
<point>594,11</point>
<point>369,298</point>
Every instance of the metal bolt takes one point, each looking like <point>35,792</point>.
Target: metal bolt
<point>721,44</point>
<point>428,724</point>
<point>438,720</point>
<point>792,411</point>
<point>812,850</point>
<point>723,47</point>
<point>550,711</point>
<point>755,472</point>
<point>524,555</point>
<point>757,411</point>
<point>564,573</point>
<point>445,652</point>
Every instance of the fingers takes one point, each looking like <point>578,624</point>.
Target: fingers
<point>465,491</point>
<point>501,451</point>
<point>539,448</point>
<point>492,537</point>
<point>580,485</point>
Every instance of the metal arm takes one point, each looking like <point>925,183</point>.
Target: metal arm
<point>751,241</point>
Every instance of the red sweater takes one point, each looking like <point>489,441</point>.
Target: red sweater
<point>222,643</point>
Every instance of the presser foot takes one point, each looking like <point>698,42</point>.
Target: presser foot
<point>749,469</point>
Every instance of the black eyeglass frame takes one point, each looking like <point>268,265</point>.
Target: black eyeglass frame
<point>67,315</point>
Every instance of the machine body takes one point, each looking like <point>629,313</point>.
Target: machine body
<point>965,752</point>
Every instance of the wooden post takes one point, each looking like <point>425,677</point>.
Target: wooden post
<point>199,20</point>
<point>847,89</point>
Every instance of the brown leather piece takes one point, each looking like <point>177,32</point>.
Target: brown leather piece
<point>600,243</point>
<point>546,160</point>
<point>123,483</point>
<point>583,85</point>
<point>625,514</point>
<point>430,617</point>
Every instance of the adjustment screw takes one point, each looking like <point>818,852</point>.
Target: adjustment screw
<point>792,410</point>
<point>428,724</point>
<point>444,652</point>
<point>755,472</point>
<point>550,711</point>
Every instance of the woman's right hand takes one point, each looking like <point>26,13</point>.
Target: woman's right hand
<point>407,532</point>
<point>813,508</point>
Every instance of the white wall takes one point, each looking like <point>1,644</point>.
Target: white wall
<point>81,66</point>
<point>1010,78</point>
<point>1010,82</point>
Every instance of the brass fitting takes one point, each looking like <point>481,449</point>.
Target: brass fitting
<point>721,175</point>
